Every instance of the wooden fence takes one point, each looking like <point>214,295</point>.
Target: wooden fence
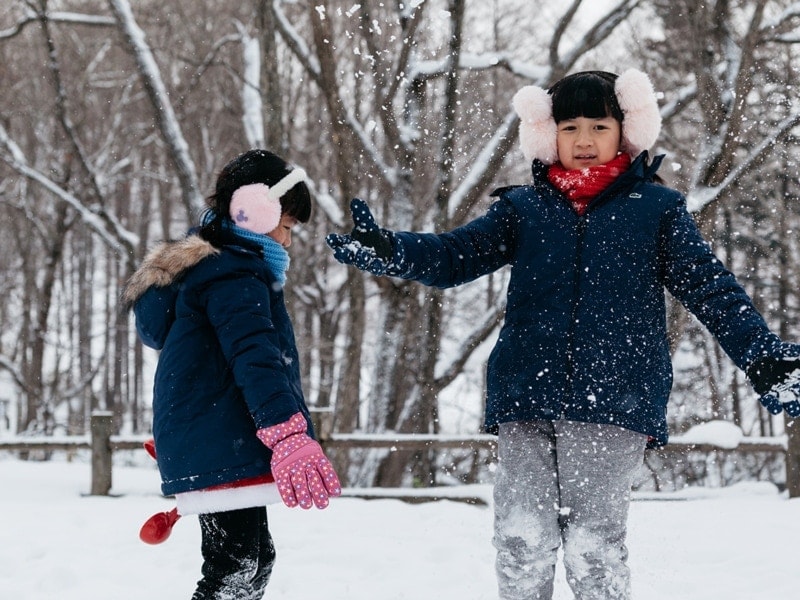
<point>103,443</point>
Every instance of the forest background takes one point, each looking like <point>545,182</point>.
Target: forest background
<point>115,117</point>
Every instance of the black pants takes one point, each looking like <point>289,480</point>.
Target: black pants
<point>238,555</point>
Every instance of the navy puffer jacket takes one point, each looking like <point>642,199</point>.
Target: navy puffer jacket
<point>585,333</point>
<point>228,363</point>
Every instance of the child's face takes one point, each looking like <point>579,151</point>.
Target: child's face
<point>283,232</point>
<point>584,142</point>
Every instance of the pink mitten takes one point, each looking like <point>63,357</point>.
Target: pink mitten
<point>303,473</point>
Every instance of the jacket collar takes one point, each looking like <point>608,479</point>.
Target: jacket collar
<point>639,168</point>
<point>639,171</point>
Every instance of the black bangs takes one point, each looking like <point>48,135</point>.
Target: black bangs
<point>297,203</point>
<point>587,94</point>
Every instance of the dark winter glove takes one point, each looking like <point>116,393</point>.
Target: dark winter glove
<point>368,247</point>
<point>777,380</point>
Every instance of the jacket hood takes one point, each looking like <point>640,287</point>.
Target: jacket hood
<point>164,264</point>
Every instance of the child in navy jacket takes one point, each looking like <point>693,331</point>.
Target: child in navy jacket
<point>579,379</point>
<point>232,430</point>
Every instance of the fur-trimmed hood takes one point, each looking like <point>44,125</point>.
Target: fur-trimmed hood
<point>164,264</point>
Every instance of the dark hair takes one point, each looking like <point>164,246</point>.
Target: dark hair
<point>589,94</point>
<point>253,166</point>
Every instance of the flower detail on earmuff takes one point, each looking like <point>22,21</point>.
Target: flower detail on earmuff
<point>254,208</point>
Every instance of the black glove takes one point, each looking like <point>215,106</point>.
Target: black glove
<point>777,380</point>
<point>367,247</point>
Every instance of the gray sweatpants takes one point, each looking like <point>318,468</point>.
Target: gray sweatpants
<point>564,482</point>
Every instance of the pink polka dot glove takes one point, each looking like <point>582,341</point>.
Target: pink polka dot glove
<point>303,473</point>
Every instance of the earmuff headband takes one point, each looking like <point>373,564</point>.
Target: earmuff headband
<point>294,177</point>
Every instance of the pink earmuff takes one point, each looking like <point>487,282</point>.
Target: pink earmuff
<point>253,208</point>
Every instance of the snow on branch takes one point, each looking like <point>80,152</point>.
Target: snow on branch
<point>81,19</point>
<point>108,228</point>
<point>408,8</point>
<point>790,12</point>
<point>700,197</point>
<point>783,21</point>
<point>159,98</point>
<point>295,42</point>
<point>684,95</point>
<point>466,194</point>
<point>473,340</point>
<point>328,205</point>
<point>423,70</point>
<point>370,150</point>
<point>57,17</point>
<point>603,28</point>
<point>252,106</point>
<point>787,39</point>
<point>14,372</point>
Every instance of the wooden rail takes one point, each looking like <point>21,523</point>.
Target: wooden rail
<point>102,444</point>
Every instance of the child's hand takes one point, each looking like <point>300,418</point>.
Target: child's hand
<point>777,379</point>
<point>367,247</point>
<point>303,473</point>
<point>366,231</point>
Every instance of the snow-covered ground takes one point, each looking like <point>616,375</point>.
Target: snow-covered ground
<point>56,543</point>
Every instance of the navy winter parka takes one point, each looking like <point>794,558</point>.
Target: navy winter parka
<point>585,333</point>
<point>228,363</point>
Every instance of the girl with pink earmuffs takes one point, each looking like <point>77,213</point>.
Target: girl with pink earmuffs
<point>232,432</point>
<point>579,378</point>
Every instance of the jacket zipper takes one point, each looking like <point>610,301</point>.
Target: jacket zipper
<point>581,235</point>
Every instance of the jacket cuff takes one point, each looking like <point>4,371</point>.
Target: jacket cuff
<point>270,436</point>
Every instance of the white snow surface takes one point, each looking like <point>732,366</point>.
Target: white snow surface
<point>721,433</point>
<point>738,543</point>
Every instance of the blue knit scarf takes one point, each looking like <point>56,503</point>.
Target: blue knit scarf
<point>275,255</point>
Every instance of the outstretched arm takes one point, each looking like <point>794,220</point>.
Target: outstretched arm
<point>440,260</point>
<point>696,277</point>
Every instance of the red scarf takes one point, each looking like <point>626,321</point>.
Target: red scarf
<point>581,186</point>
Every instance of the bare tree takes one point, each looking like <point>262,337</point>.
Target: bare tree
<point>731,121</point>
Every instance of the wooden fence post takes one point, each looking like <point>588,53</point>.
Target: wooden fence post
<point>322,420</point>
<point>793,458</point>
<point>102,426</point>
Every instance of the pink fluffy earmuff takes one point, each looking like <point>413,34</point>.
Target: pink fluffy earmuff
<point>635,95</point>
<point>257,207</point>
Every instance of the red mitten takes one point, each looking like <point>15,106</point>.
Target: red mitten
<point>303,473</point>
<point>158,527</point>
<point>150,447</point>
